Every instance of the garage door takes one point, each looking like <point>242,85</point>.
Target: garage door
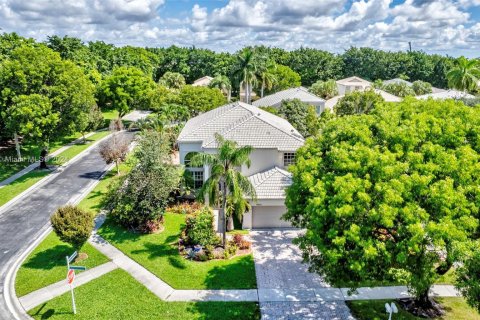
<point>269,217</point>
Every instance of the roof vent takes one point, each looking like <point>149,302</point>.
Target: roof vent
<point>258,114</point>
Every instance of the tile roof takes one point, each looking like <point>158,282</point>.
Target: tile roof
<point>351,81</point>
<point>245,124</point>
<point>408,83</point>
<point>447,94</point>
<point>271,184</point>
<point>300,93</point>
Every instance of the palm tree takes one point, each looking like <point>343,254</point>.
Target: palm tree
<point>223,83</point>
<point>267,76</point>
<point>246,71</point>
<point>225,181</point>
<point>465,76</point>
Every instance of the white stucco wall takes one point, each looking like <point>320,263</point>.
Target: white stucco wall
<point>263,159</point>
<point>185,148</point>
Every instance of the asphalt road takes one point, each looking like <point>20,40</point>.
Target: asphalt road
<point>22,223</point>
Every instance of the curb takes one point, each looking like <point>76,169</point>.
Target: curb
<point>50,176</point>
<point>11,299</point>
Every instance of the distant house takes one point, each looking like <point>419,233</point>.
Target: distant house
<point>408,83</point>
<point>351,84</point>
<point>202,82</point>
<point>274,142</point>
<point>330,103</point>
<point>301,93</point>
<point>447,94</point>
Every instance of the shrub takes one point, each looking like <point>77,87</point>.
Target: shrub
<point>230,250</point>
<point>421,87</point>
<point>240,242</point>
<point>358,102</point>
<point>468,280</point>
<point>199,229</point>
<point>185,208</point>
<point>72,225</point>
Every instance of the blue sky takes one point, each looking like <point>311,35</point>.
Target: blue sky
<point>441,26</point>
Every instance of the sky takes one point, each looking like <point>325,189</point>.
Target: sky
<point>445,26</point>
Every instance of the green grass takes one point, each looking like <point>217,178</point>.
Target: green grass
<point>159,254</point>
<point>46,264</point>
<point>21,184</point>
<point>117,295</point>
<point>16,187</point>
<point>456,308</point>
<point>74,150</point>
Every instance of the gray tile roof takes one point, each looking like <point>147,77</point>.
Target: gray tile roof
<point>300,93</point>
<point>271,184</point>
<point>447,94</point>
<point>245,124</point>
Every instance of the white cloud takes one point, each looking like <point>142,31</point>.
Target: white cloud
<point>440,25</point>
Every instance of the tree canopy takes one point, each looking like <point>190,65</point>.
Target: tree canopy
<point>387,194</point>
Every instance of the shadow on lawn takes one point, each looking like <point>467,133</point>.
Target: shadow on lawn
<point>225,310</point>
<point>222,276</point>
<point>50,258</point>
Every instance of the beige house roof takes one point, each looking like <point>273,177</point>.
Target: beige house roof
<point>245,124</point>
<point>353,81</point>
<point>271,184</point>
<point>202,82</point>
<point>300,93</point>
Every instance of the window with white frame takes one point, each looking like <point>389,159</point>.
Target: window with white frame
<point>197,179</point>
<point>288,158</point>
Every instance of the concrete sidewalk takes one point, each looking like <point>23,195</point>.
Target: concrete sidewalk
<point>43,295</point>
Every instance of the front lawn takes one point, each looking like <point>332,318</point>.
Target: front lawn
<point>117,295</point>
<point>46,264</point>
<point>457,309</point>
<point>159,254</point>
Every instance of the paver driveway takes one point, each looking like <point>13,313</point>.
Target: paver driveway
<point>285,287</point>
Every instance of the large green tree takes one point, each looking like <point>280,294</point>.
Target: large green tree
<point>325,89</point>
<point>465,75</point>
<point>225,181</point>
<point>297,113</point>
<point>357,102</point>
<point>285,78</point>
<point>172,80</point>
<point>31,117</point>
<point>39,70</point>
<point>199,99</point>
<point>389,193</point>
<point>127,88</point>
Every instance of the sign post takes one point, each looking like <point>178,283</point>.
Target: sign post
<point>71,276</point>
<point>391,309</point>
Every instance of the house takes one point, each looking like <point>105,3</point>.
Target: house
<point>351,84</point>
<point>301,93</point>
<point>447,94</point>
<point>274,143</point>
<point>202,82</point>
<point>330,103</point>
<point>408,83</point>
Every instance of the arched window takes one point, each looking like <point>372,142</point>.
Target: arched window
<point>188,158</point>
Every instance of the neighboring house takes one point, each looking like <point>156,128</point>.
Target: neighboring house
<point>301,93</point>
<point>274,143</point>
<point>351,84</point>
<point>408,83</point>
<point>330,103</point>
<point>202,82</point>
<point>447,94</point>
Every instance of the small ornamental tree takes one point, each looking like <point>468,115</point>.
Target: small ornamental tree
<point>115,149</point>
<point>172,80</point>
<point>325,89</point>
<point>72,225</point>
<point>358,102</point>
<point>400,89</point>
<point>199,228</point>
<point>421,87</point>
<point>389,193</point>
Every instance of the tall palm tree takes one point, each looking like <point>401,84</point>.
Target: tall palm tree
<point>266,75</point>
<point>466,75</point>
<point>223,83</point>
<point>225,181</point>
<point>246,71</point>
